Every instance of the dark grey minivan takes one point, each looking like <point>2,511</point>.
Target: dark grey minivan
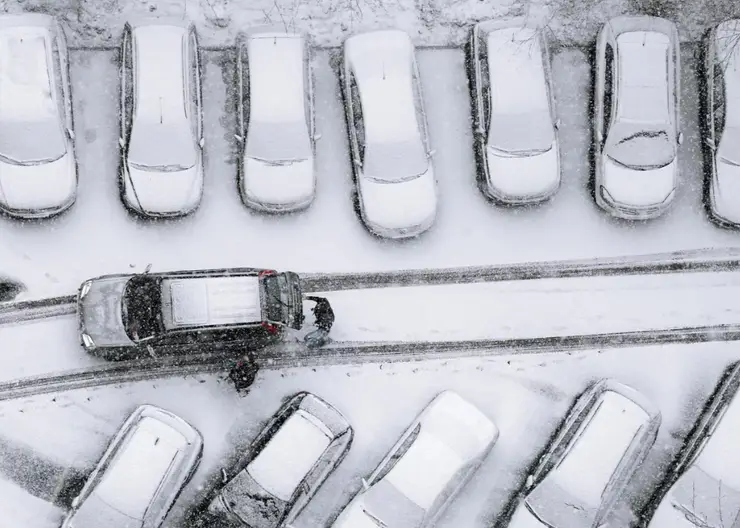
<point>124,316</point>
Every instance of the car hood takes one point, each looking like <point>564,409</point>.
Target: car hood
<point>726,191</point>
<point>166,192</point>
<point>522,177</point>
<point>38,186</point>
<point>399,205</point>
<point>353,517</point>
<point>100,312</point>
<point>278,184</point>
<point>638,188</point>
<point>523,518</point>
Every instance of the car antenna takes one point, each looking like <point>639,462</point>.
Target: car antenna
<point>161,117</point>
<point>384,70</point>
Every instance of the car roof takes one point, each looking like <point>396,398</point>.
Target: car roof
<point>643,76</point>
<point>159,60</point>
<point>515,57</point>
<point>276,77</point>
<point>605,438</point>
<point>382,64</point>
<point>138,468</point>
<point>289,455</point>
<point>207,301</point>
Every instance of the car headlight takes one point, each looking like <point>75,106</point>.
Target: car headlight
<point>85,288</point>
<point>88,341</point>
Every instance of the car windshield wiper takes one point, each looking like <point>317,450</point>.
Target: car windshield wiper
<point>692,517</point>
<point>374,519</point>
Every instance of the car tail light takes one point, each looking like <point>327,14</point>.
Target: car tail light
<point>266,273</point>
<point>271,328</point>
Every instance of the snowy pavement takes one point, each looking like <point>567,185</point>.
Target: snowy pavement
<point>501,310</point>
<point>98,236</point>
<point>525,396</point>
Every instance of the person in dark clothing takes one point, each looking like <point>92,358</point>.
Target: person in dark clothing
<point>324,320</point>
<point>244,373</point>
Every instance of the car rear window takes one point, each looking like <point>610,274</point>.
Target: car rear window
<point>137,470</point>
<point>288,456</point>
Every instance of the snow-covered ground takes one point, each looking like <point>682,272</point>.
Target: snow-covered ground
<point>432,22</point>
<point>525,396</point>
<point>21,509</point>
<point>503,310</point>
<point>98,236</point>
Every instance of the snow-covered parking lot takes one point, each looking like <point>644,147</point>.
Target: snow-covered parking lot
<point>98,236</point>
<point>525,396</point>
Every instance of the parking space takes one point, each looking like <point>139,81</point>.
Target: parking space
<point>98,236</point>
<point>525,396</point>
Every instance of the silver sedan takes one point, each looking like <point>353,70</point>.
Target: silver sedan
<point>161,120</point>
<point>38,168</point>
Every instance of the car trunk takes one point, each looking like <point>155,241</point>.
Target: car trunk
<point>282,299</point>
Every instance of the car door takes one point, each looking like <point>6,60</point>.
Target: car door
<point>421,115</point>
<point>61,65</point>
<point>357,125</point>
<point>194,88</point>
<point>310,80</point>
<point>127,88</point>
<point>718,106</point>
<point>479,70</point>
<point>609,97</point>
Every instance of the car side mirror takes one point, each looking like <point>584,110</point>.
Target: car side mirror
<point>202,142</point>
<point>358,163</point>
<point>599,136</point>
<point>121,142</point>
<point>75,502</point>
<point>239,138</point>
<point>431,153</point>
<point>679,138</point>
<point>365,484</point>
<point>71,134</point>
<point>710,143</point>
<point>557,124</point>
<point>480,131</point>
<point>316,137</point>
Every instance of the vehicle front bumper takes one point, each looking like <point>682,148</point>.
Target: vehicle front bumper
<point>632,212</point>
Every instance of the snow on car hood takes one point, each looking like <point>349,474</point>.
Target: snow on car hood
<point>727,191</point>
<point>166,192</point>
<point>353,516</point>
<point>38,186</point>
<point>523,518</point>
<point>639,188</point>
<point>398,205</point>
<point>278,184</point>
<point>100,312</point>
<point>522,177</point>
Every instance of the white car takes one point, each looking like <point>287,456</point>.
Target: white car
<point>721,121</point>
<point>600,445</point>
<point>275,121</point>
<point>161,139</point>
<point>702,488</point>
<point>514,120</point>
<point>389,140</point>
<point>148,463</point>
<point>636,116</point>
<point>38,167</point>
<point>426,468</point>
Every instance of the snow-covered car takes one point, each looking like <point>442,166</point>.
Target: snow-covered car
<point>161,141</point>
<point>636,116</point>
<point>38,167</point>
<point>585,469</point>
<point>424,471</point>
<point>388,136</point>
<point>721,121</point>
<point>702,487</point>
<point>148,463</point>
<point>275,121</point>
<point>284,467</point>
<point>124,316</point>
<point>514,115</point>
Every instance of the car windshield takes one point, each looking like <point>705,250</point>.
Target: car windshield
<point>522,135</point>
<point>278,143</point>
<point>249,501</point>
<point>31,130</point>
<point>394,162</point>
<point>141,307</point>
<point>386,506</point>
<point>274,286</point>
<point>704,501</point>
<point>729,146</point>
<point>640,148</point>
<point>161,146</point>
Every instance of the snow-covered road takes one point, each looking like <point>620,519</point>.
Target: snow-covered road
<point>97,236</point>
<point>525,396</point>
<point>502,310</point>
